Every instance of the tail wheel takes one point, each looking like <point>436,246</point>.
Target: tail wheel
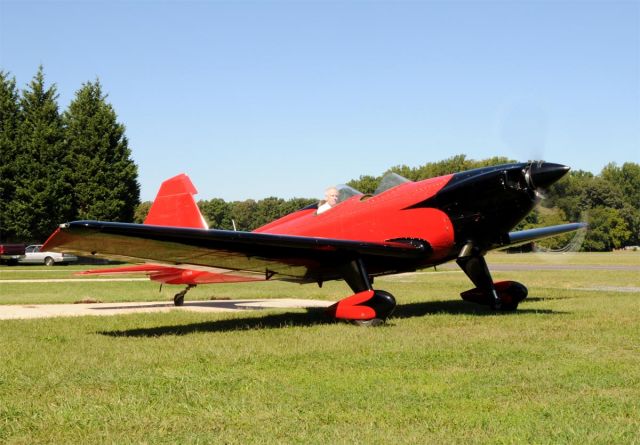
<point>178,299</point>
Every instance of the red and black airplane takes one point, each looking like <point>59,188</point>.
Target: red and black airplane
<point>402,227</point>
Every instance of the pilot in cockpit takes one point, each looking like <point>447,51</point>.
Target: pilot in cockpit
<point>330,200</point>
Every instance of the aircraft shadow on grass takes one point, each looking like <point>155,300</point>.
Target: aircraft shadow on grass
<point>314,317</point>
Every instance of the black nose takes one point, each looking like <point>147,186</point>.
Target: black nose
<point>543,174</point>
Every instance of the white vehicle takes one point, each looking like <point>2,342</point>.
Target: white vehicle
<point>33,255</point>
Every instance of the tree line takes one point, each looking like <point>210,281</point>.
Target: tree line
<point>57,167</point>
<point>609,202</point>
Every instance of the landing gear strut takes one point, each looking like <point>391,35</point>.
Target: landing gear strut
<point>366,307</point>
<point>178,299</point>
<point>502,296</point>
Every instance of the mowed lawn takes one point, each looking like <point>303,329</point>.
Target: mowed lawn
<point>564,368</point>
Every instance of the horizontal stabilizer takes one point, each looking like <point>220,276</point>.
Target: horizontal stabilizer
<point>177,275</point>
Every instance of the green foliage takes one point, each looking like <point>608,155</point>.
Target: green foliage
<point>57,168</point>
<point>631,216</point>
<point>248,214</point>
<point>543,217</point>
<point>447,166</point>
<point>610,201</point>
<point>267,210</point>
<point>601,193</point>
<point>217,213</point>
<point>366,184</point>
<point>608,230</point>
<point>242,212</point>
<point>142,210</point>
<point>42,196</point>
<point>104,177</point>
<point>9,123</point>
<point>627,178</point>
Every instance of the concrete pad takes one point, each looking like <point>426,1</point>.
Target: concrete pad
<point>25,311</point>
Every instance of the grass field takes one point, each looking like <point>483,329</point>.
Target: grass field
<point>565,368</point>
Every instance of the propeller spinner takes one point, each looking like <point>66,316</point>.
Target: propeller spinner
<point>543,174</point>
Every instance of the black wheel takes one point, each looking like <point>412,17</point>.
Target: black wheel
<point>178,300</point>
<point>511,294</point>
<point>48,261</point>
<point>383,303</point>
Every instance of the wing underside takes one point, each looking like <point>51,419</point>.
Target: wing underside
<point>292,258</point>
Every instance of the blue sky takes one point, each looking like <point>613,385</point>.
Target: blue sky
<point>257,99</point>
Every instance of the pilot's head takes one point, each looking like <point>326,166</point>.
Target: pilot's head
<point>331,196</point>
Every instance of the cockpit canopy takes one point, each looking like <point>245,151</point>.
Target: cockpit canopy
<point>388,181</point>
<point>345,192</point>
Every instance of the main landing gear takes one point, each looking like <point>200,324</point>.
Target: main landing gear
<point>502,295</point>
<point>366,307</point>
<point>178,299</point>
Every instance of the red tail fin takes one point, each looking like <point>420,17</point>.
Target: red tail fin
<point>174,205</point>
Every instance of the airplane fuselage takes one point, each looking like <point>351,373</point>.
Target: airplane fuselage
<point>444,213</point>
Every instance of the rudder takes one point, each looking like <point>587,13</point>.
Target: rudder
<point>174,205</point>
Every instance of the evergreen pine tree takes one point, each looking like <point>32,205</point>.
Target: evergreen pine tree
<point>42,191</point>
<point>9,121</point>
<point>104,176</point>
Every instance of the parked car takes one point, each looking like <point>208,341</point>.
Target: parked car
<point>11,253</point>
<point>33,255</point>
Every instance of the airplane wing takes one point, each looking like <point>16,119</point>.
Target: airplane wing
<point>291,258</point>
<point>529,235</point>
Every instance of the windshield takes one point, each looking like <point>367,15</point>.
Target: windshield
<point>345,192</point>
<point>390,180</point>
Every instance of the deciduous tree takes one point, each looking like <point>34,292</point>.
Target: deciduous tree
<point>607,230</point>
<point>217,212</point>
